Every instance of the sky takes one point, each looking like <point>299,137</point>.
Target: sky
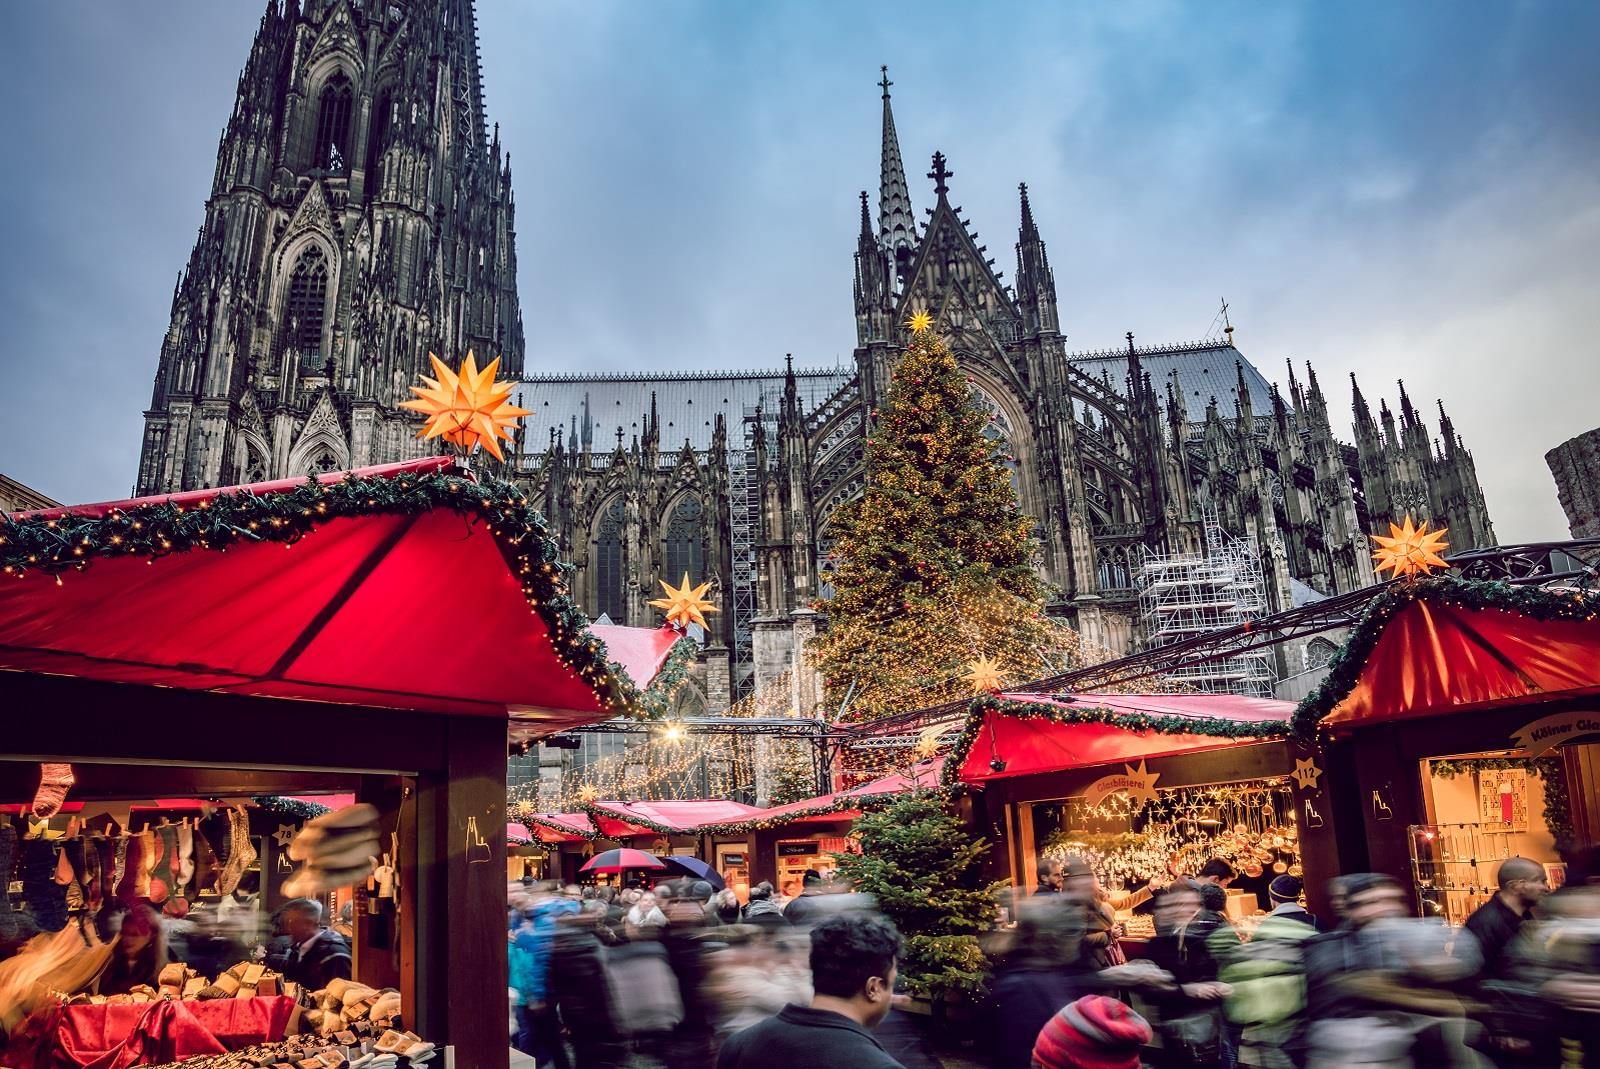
<point>1399,190</point>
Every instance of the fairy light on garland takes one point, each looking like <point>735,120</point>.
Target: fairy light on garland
<point>62,544</point>
<point>1476,595</point>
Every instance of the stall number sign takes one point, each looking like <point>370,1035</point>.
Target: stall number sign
<point>805,849</point>
<point>1542,736</point>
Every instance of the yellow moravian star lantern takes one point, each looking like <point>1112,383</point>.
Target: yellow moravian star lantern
<point>685,605</point>
<point>1410,550</point>
<point>984,675</point>
<point>466,409</point>
<point>920,321</point>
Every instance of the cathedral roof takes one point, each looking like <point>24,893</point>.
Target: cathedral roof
<point>1205,370</point>
<point>687,404</point>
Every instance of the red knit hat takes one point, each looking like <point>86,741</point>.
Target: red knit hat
<point>1094,1032</point>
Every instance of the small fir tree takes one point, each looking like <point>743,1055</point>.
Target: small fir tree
<point>927,874</point>
<point>933,564</point>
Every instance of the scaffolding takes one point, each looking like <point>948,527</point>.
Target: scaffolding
<point>744,522</point>
<point>1185,595</point>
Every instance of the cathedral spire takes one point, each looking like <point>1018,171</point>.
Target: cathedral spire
<point>1036,285</point>
<point>897,227</point>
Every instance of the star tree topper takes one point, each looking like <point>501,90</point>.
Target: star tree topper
<point>920,321</point>
<point>984,675</point>
<point>466,409</point>
<point>684,605</point>
<point>1410,550</point>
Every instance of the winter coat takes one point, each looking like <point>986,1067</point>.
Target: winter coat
<point>1023,1000</point>
<point>1268,974</point>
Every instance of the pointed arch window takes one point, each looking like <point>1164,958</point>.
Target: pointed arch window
<point>609,584</point>
<point>306,303</point>
<point>684,544</point>
<point>378,138</point>
<point>332,146</point>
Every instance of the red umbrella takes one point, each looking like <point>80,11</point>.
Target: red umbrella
<point>621,860</point>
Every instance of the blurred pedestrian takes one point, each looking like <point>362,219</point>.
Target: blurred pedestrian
<point>1043,971</point>
<point>1076,882</point>
<point>762,909</point>
<point>852,972</point>
<point>1190,1000</point>
<point>1378,988</point>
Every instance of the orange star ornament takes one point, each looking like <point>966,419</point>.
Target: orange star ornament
<point>684,605</point>
<point>984,675</point>
<point>466,409</point>
<point>920,321</point>
<point>1410,549</point>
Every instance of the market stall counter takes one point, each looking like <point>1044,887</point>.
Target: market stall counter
<point>308,636</point>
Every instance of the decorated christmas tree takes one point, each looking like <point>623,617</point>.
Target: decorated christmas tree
<point>927,873</point>
<point>935,593</point>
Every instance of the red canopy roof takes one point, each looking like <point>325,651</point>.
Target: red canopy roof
<point>1433,656</point>
<point>393,606</point>
<point>1031,744</point>
<point>628,819</point>
<point>837,805</point>
<point>561,827</point>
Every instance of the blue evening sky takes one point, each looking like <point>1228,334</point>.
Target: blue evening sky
<point>1395,189</point>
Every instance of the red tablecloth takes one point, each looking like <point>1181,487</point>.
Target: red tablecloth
<point>114,1036</point>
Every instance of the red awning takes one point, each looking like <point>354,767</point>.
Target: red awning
<point>561,827</point>
<point>640,650</point>
<point>1029,745</point>
<point>837,806</point>
<point>411,608</point>
<point>628,819</point>
<point>1433,656</point>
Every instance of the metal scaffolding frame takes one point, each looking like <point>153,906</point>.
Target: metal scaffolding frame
<point>1570,565</point>
<point>1185,595</point>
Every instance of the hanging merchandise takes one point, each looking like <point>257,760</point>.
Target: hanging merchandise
<point>335,850</point>
<point>54,782</point>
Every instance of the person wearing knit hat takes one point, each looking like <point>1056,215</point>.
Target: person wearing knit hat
<point>1285,894</point>
<point>1094,1032</point>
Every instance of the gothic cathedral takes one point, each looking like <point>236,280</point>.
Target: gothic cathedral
<point>360,216</point>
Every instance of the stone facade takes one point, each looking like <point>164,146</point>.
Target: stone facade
<point>734,476</point>
<point>1575,464</point>
<point>360,217</point>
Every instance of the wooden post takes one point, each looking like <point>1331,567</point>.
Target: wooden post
<point>460,904</point>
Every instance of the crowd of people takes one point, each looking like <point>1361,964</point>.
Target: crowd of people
<point>682,975</point>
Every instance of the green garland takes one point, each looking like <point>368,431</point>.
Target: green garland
<point>1475,595</point>
<point>595,809</point>
<point>561,829</point>
<point>289,807</point>
<point>56,545</point>
<point>1551,770</point>
<point>657,697</point>
<point>978,715</point>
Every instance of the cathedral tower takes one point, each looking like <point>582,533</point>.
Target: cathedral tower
<point>360,217</point>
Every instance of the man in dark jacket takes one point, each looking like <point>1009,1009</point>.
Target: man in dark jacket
<point>579,989</point>
<point>1495,923</point>
<point>315,955</point>
<point>852,973</point>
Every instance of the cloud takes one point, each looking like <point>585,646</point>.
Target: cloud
<point>1393,190</point>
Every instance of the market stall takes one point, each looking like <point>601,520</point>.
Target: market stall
<point>1146,788</point>
<point>302,638</point>
<point>1462,723</point>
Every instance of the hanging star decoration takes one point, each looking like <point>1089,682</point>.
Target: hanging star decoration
<point>587,793</point>
<point>684,605</point>
<point>928,742</point>
<point>284,835</point>
<point>983,674</point>
<point>1410,550</point>
<point>920,321</point>
<point>467,409</point>
<point>1306,773</point>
